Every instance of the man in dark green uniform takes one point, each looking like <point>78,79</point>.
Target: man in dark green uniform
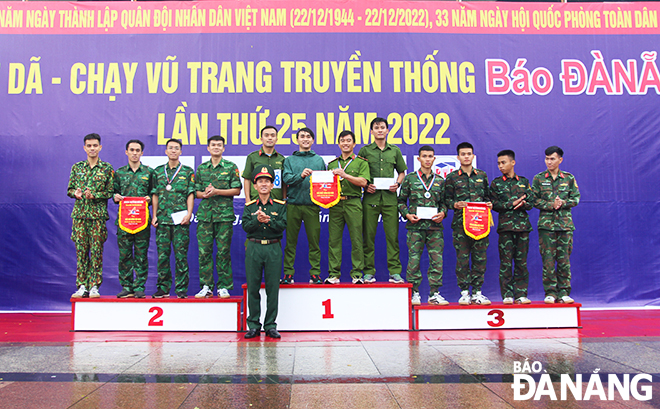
<point>267,155</point>
<point>133,180</point>
<point>555,194</point>
<point>353,174</point>
<point>383,159</point>
<point>512,198</point>
<point>173,199</point>
<point>422,202</point>
<point>264,221</point>
<point>216,183</point>
<point>467,184</point>
<point>90,183</point>
<point>296,175</point>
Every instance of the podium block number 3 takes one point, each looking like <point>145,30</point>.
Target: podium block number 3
<point>154,321</point>
<point>498,319</point>
<point>328,309</point>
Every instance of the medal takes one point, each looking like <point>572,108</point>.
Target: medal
<point>427,195</point>
<point>427,188</point>
<point>169,181</point>
<point>344,168</point>
<point>168,187</point>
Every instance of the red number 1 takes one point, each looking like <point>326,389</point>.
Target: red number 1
<point>328,309</point>
<point>154,321</point>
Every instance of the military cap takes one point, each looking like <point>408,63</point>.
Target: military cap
<point>264,171</point>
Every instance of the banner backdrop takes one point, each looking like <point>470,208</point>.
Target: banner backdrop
<point>499,75</point>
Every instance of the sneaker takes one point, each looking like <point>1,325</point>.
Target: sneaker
<point>369,278</point>
<point>549,299</point>
<point>416,300</point>
<point>139,294</point>
<point>480,299</point>
<point>288,279</point>
<point>465,298</point>
<point>567,300</point>
<point>315,280</point>
<point>331,280</point>
<point>94,293</point>
<point>437,299</point>
<point>81,293</point>
<point>357,280</point>
<point>181,295</point>
<point>205,292</point>
<point>160,294</point>
<point>523,300</point>
<point>507,301</point>
<point>126,294</point>
<point>396,279</point>
<point>223,293</point>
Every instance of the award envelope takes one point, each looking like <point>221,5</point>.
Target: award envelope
<point>133,214</point>
<point>477,220</point>
<point>324,188</point>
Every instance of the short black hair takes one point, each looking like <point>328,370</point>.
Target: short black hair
<point>378,120</point>
<point>507,152</point>
<point>309,131</point>
<point>464,145</point>
<point>267,127</point>
<point>176,141</point>
<point>92,136</point>
<point>345,133</point>
<point>554,149</point>
<point>216,138</point>
<point>139,142</point>
<point>426,148</point>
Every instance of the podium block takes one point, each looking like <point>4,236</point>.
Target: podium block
<point>341,307</point>
<point>164,314</point>
<point>497,316</point>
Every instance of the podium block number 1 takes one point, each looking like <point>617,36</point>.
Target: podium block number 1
<point>328,309</point>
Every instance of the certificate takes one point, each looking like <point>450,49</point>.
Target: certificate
<point>177,217</point>
<point>384,183</point>
<point>322,176</point>
<point>426,212</point>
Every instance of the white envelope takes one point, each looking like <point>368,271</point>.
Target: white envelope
<point>322,176</point>
<point>426,212</point>
<point>384,183</point>
<point>177,217</point>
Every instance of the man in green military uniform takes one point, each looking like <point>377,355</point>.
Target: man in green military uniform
<point>90,183</point>
<point>467,184</point>
<point>216,183</point>
<point>383,160</point>
<point>422,202</point>
<point>353,172</point>
<point>173,199</point>
<point>555,194</point>
<point>296,175</point>
<point>512,198</point>
<point>267,155</point>
<point>264,221</point>
<point>133,180</point>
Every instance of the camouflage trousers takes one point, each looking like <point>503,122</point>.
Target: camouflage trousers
<point>133,250</point>
<point>177,236</point>
<point>466,248</point>
<point>513,247</point>
<point>221,232</point>
<point>435,243</point>
<point>89,235</point>
<point>556,247</point>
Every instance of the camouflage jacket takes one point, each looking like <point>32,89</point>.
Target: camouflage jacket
<point>411,196</point>
<point>274,229</point>
<point>503,192</point>
<point>223,176</point>
<point>545,190</point>
<point>99,180</point>
<point>174,200</point>
<point>134,184</point>
<point>459,187</point>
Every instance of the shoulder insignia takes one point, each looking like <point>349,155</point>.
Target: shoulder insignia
<point>364,159</point>
<point>282,202</point>
<point>250,202</point>
<point>237,173</point>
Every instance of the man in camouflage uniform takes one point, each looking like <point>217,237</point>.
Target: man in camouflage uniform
<point>133,180</point>
<point>217,182</point>
<point>267,155</point>
<point>90,183</point>
<point>555,194</point>
<point>173,192</point>
<point>512,198</point>
<point>467,184</point>
<point>424,190</point>
<point>353,174</point>
<point>264,221</point>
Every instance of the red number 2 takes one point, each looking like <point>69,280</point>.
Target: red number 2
<point>154,321</point>
<point>328,309</point>
<point>498,319</point>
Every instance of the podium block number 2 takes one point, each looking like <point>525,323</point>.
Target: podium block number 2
<point>328,309</point>
<point>154,321</point>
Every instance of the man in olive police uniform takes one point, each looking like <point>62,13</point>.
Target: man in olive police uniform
<point>267,155</point>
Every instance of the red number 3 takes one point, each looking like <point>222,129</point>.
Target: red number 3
<point>498,319</point>
<point>154,321</point>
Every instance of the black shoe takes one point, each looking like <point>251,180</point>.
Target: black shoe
<point>252,333</point>
<point>139,294</point>
<point>181,295</point>
<point>273,333</point>
<point>126,294</point>
<point>160,294</point>
<point>288,279</point>
<point>314,280</point>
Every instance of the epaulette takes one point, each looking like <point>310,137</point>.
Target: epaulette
<point>364,159</point>
<point>337,158</point>
<point>282,202</point>
<point>250,202</point>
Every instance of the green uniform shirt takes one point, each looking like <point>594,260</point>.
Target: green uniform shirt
<point>99,180</point>
<point>411,196</point>
<point>459,187</point>
<point>503,192</point>
<point>276,161</point>
<point>354,166</point>
<point>223,176</point>
<point>382,164</point>
<point>545,191</point>
<point>272,230</point>
<point>174,200</point>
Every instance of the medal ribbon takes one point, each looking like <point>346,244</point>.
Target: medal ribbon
<point>169,182</point>
<point>419,173</point>
<point>344,168</point>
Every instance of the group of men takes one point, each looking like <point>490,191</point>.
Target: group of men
<point>278,197</point>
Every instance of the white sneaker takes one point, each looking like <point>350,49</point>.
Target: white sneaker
<point>549,299</point>
<point>523,300</point>
<point>567,300</point>
<point>437,299</point>
<point>507,301</point>
<point>332,280</point>
<point>481,299</point>
<point>80,293</point>
<point>465,298</point>
<point>357,280</point>
<point>205,292</point>
<point>222,293</point>
<point>416,300</point>
<point>369,278</point>
<point>94,293</point>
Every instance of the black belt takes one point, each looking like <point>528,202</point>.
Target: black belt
<point>265,241</point>
<point>348,197</point>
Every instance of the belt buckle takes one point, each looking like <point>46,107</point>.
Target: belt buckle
<point>264,241</point>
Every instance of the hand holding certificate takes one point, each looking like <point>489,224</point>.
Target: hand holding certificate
<point>426,213</point>
<point>384,183</point>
